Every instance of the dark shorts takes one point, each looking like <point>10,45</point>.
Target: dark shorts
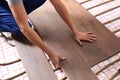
<point>7,21</point>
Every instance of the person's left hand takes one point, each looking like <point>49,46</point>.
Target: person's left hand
<point>84,36</point>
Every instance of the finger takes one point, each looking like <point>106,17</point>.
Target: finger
<point>57,66</point>
<point>90,40</point>
<point>79,42</point>
<point>89,32</point>
<point>62,58</point>
<point>94,36</point>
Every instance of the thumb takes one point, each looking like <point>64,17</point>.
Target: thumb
<point>79,42</point>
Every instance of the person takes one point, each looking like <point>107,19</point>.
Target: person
<point>14,19</point>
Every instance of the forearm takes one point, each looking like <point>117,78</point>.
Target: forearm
<point>35,39</point>
<point>63,12</point>
<point>21,18</point>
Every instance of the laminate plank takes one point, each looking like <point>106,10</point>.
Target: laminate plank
<point>75,67</point>
<point>107,44</point>
<point>35,62</point>
<point>55,32</point>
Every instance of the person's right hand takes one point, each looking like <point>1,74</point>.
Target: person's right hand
<point>55,59</point>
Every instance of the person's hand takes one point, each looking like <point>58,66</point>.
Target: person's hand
<point>55,59</point>
<point>84,36</point>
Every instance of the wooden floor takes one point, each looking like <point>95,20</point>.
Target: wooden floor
<point>59,38</point>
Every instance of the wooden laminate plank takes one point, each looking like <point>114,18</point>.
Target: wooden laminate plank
<point>60,39</point>
<point>35,62</point>
<point>74,67</point>
<point>107,43</point>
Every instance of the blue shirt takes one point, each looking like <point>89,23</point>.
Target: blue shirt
<point>30,5</point>
<point>7,21</point>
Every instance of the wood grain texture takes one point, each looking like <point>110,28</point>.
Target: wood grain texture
<point>60,39</point>
<point>55,32</point>
<point>107,43</point>
<point>48,22</point>
<point>35,62</point>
